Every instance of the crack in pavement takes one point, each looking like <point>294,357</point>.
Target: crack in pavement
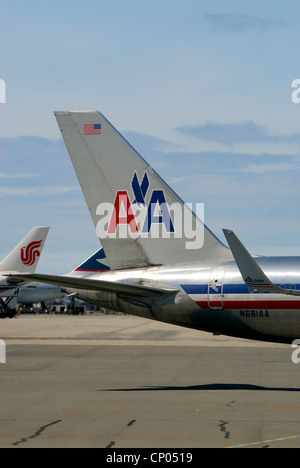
<point>112,443</point>
<point>131,423</point>
<point>222,427</point>
<point>37,433</point>
<point>231,403</point>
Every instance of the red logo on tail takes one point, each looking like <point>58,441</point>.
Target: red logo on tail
<point>30,253</point>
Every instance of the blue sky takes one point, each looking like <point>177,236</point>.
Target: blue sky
<point>201,88</point>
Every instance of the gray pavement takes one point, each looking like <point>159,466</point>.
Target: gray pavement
<point>126,382</point>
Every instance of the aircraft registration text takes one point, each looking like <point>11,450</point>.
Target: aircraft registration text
<point>255,313</point>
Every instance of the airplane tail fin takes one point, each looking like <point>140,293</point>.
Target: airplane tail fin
<point>25,256</point>
<point>139,219</point>
<point>96,263</point>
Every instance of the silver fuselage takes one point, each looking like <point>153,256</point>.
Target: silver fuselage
<point>34,293</point>
<point>212,298</point>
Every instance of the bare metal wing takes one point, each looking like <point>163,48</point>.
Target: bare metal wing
<point>99,285</point>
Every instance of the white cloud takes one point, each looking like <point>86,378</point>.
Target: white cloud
<point>37,191</point>
<point>267,168</point>
<point>225,22</point>
<point>3,175</point>
<point>230,134</point>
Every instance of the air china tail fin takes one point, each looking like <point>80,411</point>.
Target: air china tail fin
<point>25,256</point>
<point>139,219</point>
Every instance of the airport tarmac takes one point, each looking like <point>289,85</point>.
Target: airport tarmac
<point>110,381</point>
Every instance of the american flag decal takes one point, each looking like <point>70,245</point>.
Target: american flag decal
<point>92,129</point>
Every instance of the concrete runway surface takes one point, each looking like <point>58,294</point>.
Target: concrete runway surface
<point>126,382</point>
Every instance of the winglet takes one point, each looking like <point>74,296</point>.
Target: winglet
<point>251,272</point>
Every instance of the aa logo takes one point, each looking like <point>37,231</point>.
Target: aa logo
<point>144,212</point>
<point>138,215</point>
<point>30,253</point>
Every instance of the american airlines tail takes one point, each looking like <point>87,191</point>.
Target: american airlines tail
<point>25,256</point>
<point>139,219</point>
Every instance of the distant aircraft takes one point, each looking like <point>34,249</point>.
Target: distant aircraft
<point>23,258</point>
<point>34,293</point>
<point>158,271</point>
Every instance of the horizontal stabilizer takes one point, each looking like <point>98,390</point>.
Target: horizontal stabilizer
<point>251,272</point>
<point>98,285</point>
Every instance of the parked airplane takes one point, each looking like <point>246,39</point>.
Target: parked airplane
<point>159,269</point>
<point>34,293</point>
<point>22,259</point>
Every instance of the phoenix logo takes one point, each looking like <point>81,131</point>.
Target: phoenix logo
<point>30,253</point>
